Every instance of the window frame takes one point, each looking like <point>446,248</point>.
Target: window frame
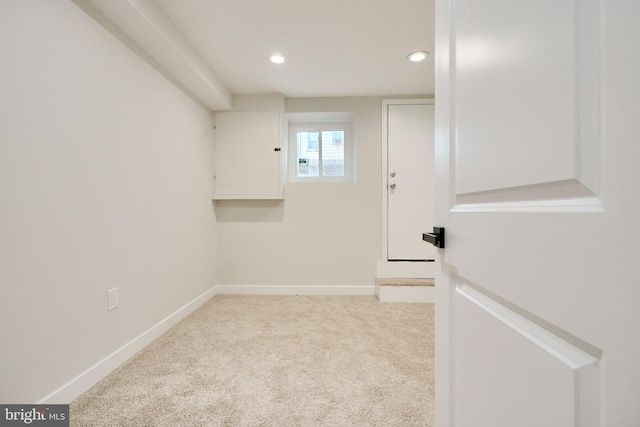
<point>321,125</point>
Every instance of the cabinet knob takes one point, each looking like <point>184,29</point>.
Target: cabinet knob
<point>277,149</point>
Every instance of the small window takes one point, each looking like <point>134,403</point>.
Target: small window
<point>321,151</point>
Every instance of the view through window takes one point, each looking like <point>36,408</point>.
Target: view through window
<point>320,153</point>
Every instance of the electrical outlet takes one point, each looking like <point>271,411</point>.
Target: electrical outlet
<point>112,298</point>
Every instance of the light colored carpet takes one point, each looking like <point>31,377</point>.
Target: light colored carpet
<point>276,361</point>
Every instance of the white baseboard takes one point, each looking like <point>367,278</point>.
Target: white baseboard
<point>87,379</point>
<point>294,290</point>
<point>421,294</point>
<point>405,269</point>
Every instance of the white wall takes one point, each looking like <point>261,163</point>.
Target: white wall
<point>321,234</point>
<point>105,180</point>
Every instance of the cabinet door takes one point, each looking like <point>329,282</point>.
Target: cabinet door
<point>247,155</point>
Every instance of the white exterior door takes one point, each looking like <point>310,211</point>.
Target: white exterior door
<point>410,188</point>
<point>537,185</point>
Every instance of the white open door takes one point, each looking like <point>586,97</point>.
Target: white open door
<point>537,185</point>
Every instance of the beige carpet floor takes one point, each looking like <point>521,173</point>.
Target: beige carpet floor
<point>276,361</point>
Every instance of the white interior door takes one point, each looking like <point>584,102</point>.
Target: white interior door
<point>537,319</point>
<point>410,188</point>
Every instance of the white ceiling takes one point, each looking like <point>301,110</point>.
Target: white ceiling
<point>213,49</point>
<point>334,47</point>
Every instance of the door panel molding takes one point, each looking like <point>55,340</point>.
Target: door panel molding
<point>580,205</point>
<point>573,351</point>
<point>531,354</point>
<point>556,135</point>
<point>565,196</point>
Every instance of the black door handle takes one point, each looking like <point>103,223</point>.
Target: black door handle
<point>436,238</point>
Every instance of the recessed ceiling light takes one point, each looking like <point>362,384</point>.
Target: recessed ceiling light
<point>278,58</point>
<point>418,56</point>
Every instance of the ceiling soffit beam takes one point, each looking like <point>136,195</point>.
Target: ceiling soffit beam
<point>146,25</point>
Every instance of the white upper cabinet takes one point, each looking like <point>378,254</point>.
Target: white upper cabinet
<point>248,155</point>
